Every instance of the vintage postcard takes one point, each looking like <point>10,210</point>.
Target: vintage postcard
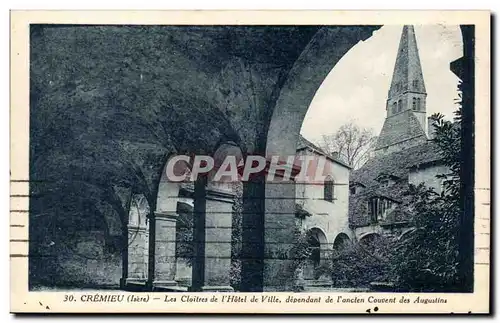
<point>250,162</point>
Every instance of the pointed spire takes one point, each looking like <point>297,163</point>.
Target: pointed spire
<point>406,120</point>
<point>407,76</point>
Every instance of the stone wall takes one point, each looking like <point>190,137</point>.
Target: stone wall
<point>331,217</point>
<point>427,176</point>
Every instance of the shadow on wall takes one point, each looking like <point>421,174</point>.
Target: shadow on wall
<point>77,260</point>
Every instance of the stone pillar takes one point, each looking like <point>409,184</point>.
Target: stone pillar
<point>268,234</point>
<point>280,226</point>
<point>212,236</point>
<point>279,236</point>
<point>252,249</point>
<point>164,257</point>
<point>218,225</point>
<point>199,205</point>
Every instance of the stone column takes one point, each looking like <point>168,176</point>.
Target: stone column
<point>164,257</point>
<point>279,226</point>
<point>268,234</point>
<point>252,249</point>
<point>218,225</point>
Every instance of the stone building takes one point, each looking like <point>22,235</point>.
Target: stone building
<point>404,152</point>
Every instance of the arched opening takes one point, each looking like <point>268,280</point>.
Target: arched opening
<point>343,261</point>
<point>400,105</point>
<point>163,235</point>
<point>414,104</point>
<point>375,245</point>
<point>317,60</point>
<point>407,234</point>
<point>168,190</point>
<point>318,245</point>
<point>315,247</point>
<point>341,244</point>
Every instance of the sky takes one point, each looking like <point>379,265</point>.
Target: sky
<point>356,88</point>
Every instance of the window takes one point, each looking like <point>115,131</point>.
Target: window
<point>400,105</point>
<point>394,108</point>
<point>415,83</point>
<point>414,104</point>
<point>378,208</point>
<point>386,205</point>
<point>353,190</point>
<point>328,189</point>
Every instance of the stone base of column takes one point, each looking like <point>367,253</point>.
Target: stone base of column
<point>135,281</point>
<point>168,286</point>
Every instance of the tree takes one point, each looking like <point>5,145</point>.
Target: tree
<point>351,142</point>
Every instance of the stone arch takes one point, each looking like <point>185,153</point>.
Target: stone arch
<point>138,241</point>
<point>307,74</point>
<point>373,243</point>
<point>319,57</point>
<point>227,155</point>
<point>406,234</point>
<point>318,247</point>
<point>139,209</point>
<point>168,191</point>
<point>341,244</point>
<point>163,235</point>
<point>369,236</point>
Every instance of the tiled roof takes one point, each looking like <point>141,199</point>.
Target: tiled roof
<point>398,128</point>
<point>396,163</point>
<point>304,143</point>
